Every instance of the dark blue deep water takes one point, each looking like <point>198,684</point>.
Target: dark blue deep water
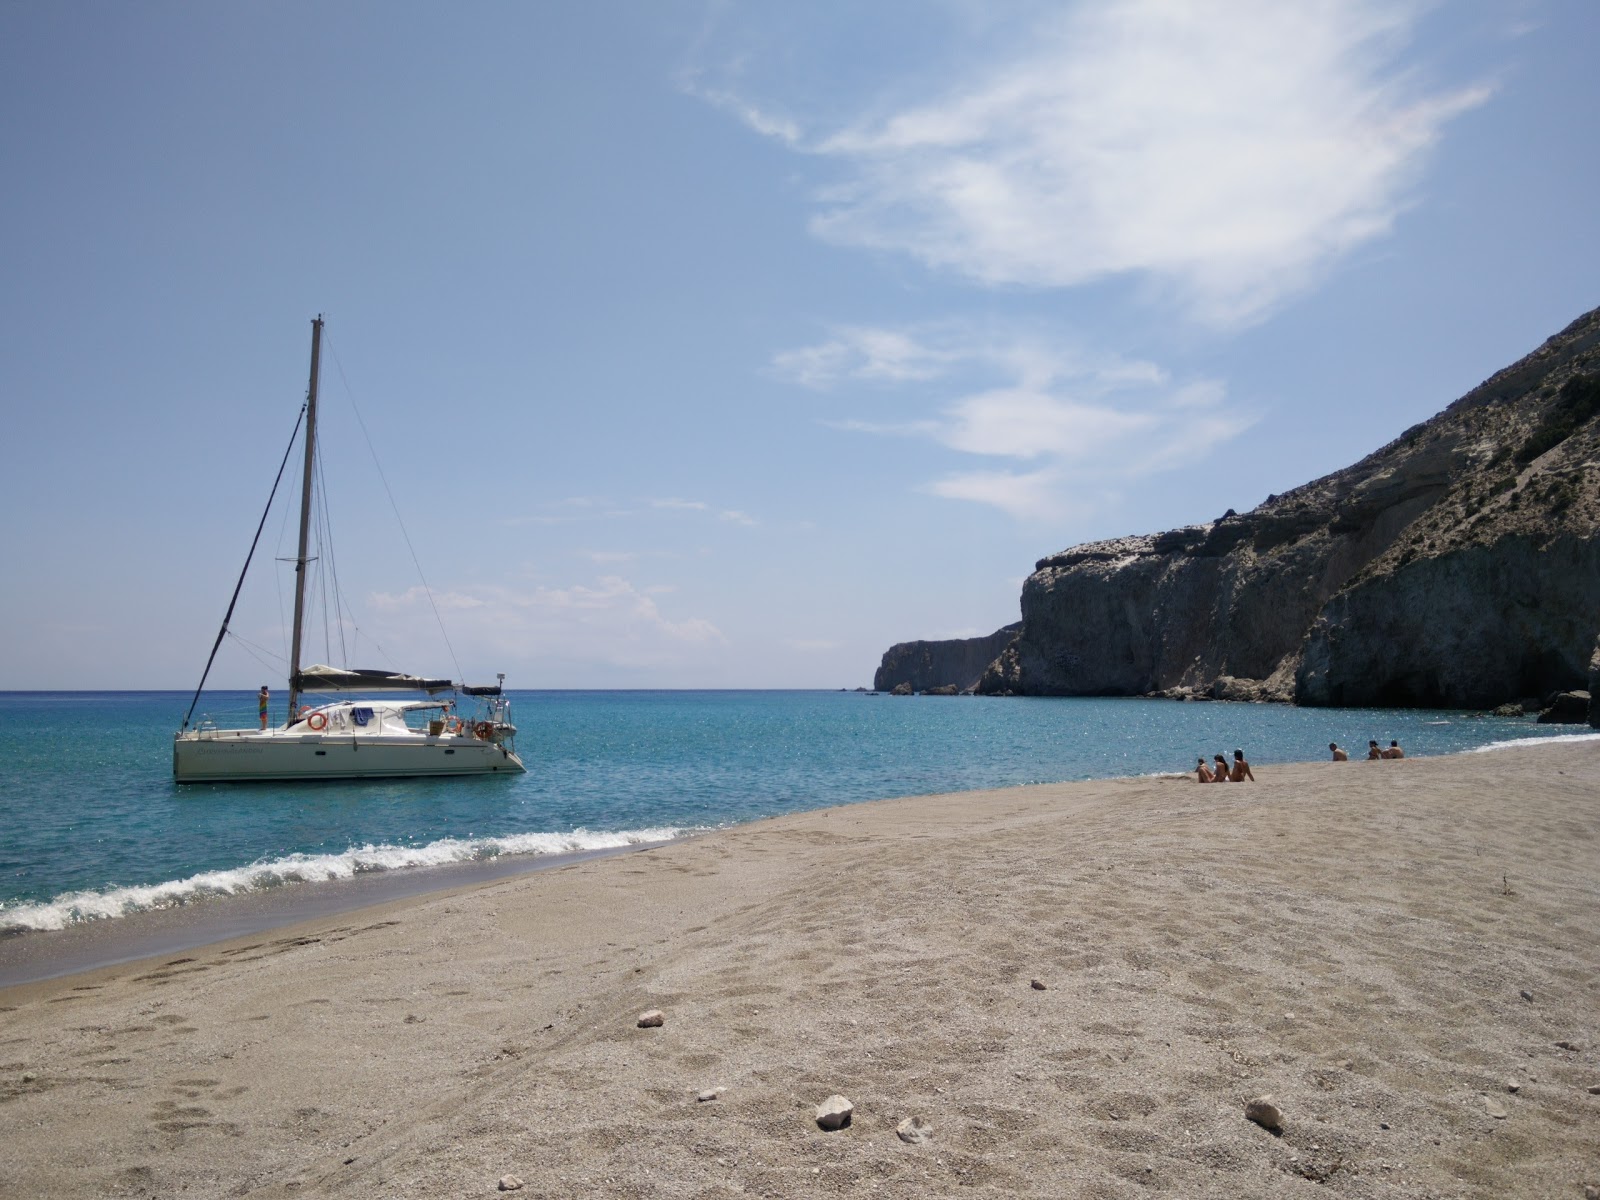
<point>92,826</point>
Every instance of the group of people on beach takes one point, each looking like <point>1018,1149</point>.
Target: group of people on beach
<point>1222,772</point>
<point>1373,751</point>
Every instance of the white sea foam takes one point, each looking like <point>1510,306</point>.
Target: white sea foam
<point>71,908</point>
<point>1554,739</point>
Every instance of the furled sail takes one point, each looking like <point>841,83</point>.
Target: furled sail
<point>333,679</point>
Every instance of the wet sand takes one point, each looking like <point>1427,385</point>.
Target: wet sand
<point>1405,954</point>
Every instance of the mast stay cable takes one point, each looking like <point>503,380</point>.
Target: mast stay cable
<point>223,632</point>
<point>372,450</point>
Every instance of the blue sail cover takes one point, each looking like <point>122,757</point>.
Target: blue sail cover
<point>335,679</point>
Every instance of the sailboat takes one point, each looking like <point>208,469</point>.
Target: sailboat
<point>346,737</point>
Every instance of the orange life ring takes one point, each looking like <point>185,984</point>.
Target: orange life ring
<point>483,730</point>
<point>317,721</point>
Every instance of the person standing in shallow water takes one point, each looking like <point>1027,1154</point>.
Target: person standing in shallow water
<point>1338,754</point>
<point>261,701</point>
<point>1241,769</point>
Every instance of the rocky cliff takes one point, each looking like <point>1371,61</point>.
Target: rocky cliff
<point>957,663</point>
<point>1457,566</point>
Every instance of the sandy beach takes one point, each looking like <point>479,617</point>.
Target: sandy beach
<point>1075,989</point>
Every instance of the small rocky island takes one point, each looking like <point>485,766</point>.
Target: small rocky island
<point>1456,567</point>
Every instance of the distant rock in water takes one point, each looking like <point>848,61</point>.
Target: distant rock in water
<point>926,666</point>
<point>1458,566</point>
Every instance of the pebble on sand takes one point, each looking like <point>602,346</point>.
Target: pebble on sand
<point>1494,1108</point>
<point>1037,986</point>
<point>652,1019</point>
<point>914,1131</point>
<point>1264,1112</point>
<point>709,1094</point>
<point>510,1183</point>
<point>834,1113</point>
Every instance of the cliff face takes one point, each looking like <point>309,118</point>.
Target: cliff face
<point>1457,566</point>
<point>958,662</point>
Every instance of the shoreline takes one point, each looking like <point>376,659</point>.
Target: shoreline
<point>1404,956</point>
<point>34,955</point>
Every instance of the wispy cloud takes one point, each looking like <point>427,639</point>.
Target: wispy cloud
<point>1073,424</point>
<point>1227,154</point>
<point>610,620</point>
<point>730,516</point>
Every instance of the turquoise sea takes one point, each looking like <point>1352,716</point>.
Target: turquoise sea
<point>92,827</point>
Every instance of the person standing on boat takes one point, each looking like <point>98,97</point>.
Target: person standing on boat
<point>261,700</point>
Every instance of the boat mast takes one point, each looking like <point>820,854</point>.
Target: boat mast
<point>305,519</point>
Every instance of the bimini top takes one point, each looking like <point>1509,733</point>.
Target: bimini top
<point>333,679</point>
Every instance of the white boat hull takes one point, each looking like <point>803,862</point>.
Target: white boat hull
<point>218,755</point>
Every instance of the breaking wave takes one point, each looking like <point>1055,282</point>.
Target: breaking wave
<point>73,908</point>
<point>1547,740</point>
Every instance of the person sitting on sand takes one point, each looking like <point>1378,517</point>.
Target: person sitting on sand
<point>1221,769</point>
<point>1338,754</point>
<point>1241,769</point>
<point>1373,751</point>
<point>1394,751</point>
<point>1203,772</point>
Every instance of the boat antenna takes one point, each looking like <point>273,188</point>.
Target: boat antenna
<point>305,517</point>
<point>223,632</point>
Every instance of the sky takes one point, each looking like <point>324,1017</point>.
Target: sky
<point>723,344</point>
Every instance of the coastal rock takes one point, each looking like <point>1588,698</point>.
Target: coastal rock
<point>834,1113</point>
<point>1566,708</point>
<point>903,688</point>
<point>1454,567</point>
<point>1594,685</point>
<point>1264,1112</point>
<point>944,689</point>
<point>914,1131</point>
<point>957,664</point>
<point>652,1019</point>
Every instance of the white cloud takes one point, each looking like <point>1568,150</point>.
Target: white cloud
<point>856,352</point>
<point>1081,422</point>
<point>764,122</point>
<point>730,516</point>
<point>610,621</point>
<point>1034,496</point>
<point>1023,423</point>
<point>1228,153</point>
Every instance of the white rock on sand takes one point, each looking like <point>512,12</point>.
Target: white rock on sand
<point>834,1112</point>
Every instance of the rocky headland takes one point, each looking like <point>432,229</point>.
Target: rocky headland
<point>956,664</point>
<point>1458,566</point>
